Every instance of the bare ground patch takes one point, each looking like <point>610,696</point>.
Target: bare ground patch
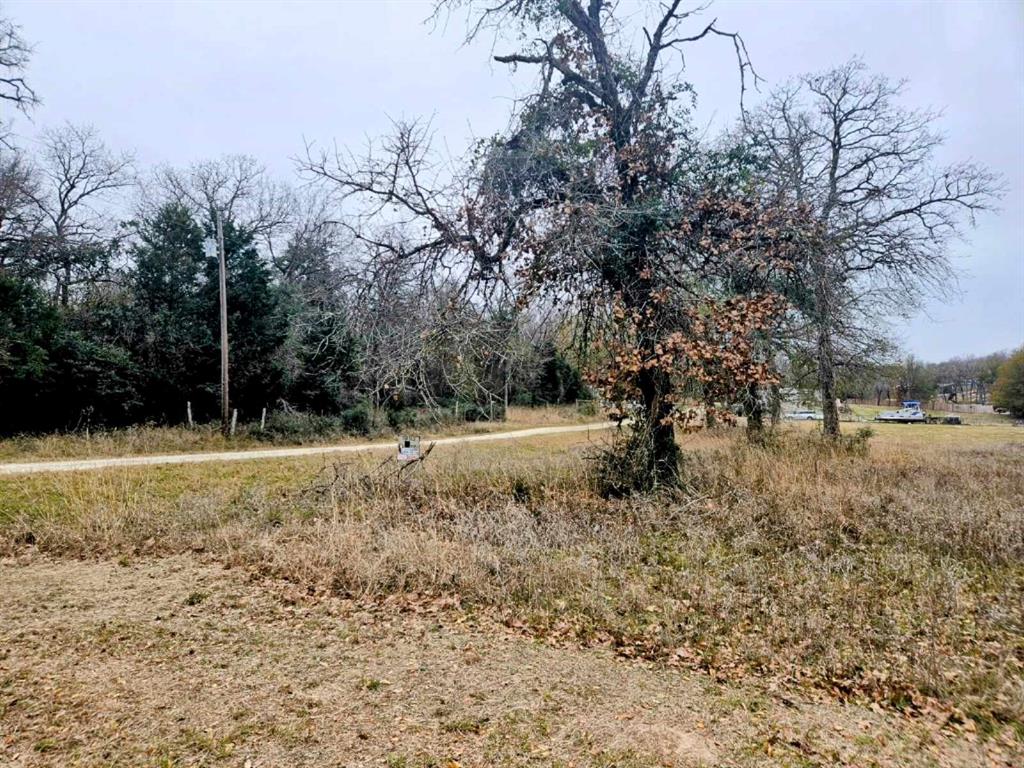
<point>173,662</point>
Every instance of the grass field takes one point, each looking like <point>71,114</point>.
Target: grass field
<point>793,605</point>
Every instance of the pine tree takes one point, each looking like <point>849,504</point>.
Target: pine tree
<point>173,341</point>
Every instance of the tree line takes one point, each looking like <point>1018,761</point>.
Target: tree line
<point>601,233</point>
<point>109,322</point>
<point>964,379</point>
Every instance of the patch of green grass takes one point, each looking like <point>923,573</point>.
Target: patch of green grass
<point>418,760</point>
<point>465,725</point>
<point>46,745</point>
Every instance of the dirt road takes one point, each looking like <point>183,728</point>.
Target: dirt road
<point>74,465</point>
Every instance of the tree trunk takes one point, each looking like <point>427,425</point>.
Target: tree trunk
<point>827,382</point>
<point>64,286</point>
<point>776,405</point>
<point>658,430</point>
<point>654,426</point>
<point>754,408</point>
<point>823,292</point>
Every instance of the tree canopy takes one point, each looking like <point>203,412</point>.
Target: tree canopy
<point>1008,391</point>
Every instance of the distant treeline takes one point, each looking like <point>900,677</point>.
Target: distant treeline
<point>965,379</point>
<point>110,323</point>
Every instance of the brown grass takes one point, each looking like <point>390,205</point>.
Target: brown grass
<point>896,576</point>
<point>265,673</point>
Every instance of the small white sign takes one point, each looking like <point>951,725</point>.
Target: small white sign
<point>409,449</point>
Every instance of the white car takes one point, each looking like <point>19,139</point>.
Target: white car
<point>804,415</point>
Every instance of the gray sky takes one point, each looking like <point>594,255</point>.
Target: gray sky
<point>190,80</point>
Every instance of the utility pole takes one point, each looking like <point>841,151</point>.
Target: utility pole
<point>215,247</point>
<point>225,413</point>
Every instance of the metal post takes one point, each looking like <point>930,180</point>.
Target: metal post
<point>225,413</point>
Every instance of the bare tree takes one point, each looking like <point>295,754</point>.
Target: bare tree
<point>403,204</point>
<point>839,143</point>
<point>239,187</point>
<point>77,175</point>
<point>19,217</point>
<point>15,54</point>
<point>316,251</point>
<point>421,266</point>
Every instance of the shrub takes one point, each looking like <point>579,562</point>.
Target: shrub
<point>295,427</point>
<point>624,466</point>
<point>358,420</point>
<point>402,418</point>
<point>857,443</point>
<point>472,412</point>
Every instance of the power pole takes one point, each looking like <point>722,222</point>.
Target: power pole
<point>225,414</point>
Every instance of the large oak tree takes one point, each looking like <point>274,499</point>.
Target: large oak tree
<point>597,197</point>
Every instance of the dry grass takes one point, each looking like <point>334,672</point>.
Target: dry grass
<point>263,673</point>
<point>896,576</point>
<point>150,439</point>
<point>913,437</point>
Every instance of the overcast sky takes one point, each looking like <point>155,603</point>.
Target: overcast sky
<point>177,82</point>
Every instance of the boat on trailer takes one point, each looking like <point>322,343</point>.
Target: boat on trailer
<point>910,413</point>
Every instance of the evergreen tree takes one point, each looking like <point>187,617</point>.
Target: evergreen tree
<point>28,329</point>
<point>326,359</point>
<point>173,339</point>
<point>558,380</point>
<point>257,326</point>
<point>53,375</point>
<point>92,384</point>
